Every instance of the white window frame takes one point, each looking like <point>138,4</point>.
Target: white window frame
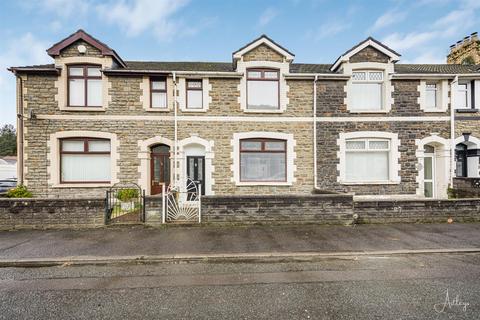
<point>290,153</point>
<point>441,95</point>
<point>367,80</point>
<point>433,88</point>
<point>53,157</point>
<point>468,95</point>
<point>394,155</point>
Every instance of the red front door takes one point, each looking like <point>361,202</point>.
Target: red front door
<point>159,168</point>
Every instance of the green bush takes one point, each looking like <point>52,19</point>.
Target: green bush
<point>127,194</point>
<point>19,192</point>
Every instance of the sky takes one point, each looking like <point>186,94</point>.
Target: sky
<point>316,31</point>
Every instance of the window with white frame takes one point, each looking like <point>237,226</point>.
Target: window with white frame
<point>462,99</point>
<point>366,90</point>
<point>367,160</point>
<point>158,93</point>
<point>84,86</point>
<point>194,94</point>
<point>263,160</point>
<point>85,160</point>
<point>431,97</point>
<point>263,89</point>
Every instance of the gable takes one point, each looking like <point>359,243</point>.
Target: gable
<point>72,50</point>
<point>369,54</point>
<point>263,53</point>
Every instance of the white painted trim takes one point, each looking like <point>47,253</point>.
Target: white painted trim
<point>144,153</point>
<point>291,157</point>
<point>53,158</point>
<point>209,156</point>
<point>283,67</point>
<point>345,58</point>
<point>394,163</point>
<point>442,96</point>
<point>471,139</point>
<point>387,88</point>
<point>281,119</point>
<point>182,97</point>
<point>263,40</point>
<point>442,158</point>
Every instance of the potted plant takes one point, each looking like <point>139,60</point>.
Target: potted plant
<point>126,198</point>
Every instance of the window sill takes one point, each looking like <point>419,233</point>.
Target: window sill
<point>194,110</point>
<point>355,183</point>
<point>82,185</point>
<point>262,183</point>
<point>157,110</point>
<point>263,111</point>
<point>435,110</point>
<point>466,110</point>
<point>94,109</point>
<point>368,111</point>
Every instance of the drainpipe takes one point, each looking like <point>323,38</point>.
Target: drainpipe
<point>176,128</point>
<point>19,130</point>
<point>315,178</point>
<point>452,128</point>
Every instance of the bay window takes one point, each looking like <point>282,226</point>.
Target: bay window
<point>263,89</point>
<point>366,90</point>
<point>84,160</point>
<point>263,160</point>
<point>194,94</point>
<point>158,93</point>
<point>367,160</point>
<point>84,86</point>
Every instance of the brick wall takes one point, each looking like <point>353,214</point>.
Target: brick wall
<point>51,213</point>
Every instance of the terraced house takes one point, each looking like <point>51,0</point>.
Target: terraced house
<point>258,124</point>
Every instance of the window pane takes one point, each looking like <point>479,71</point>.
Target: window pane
<point>366,96</point>
<point>99,145</point>
<point>76,71</point>
<point>356,145</point>
<point>159,100</point>
<point>367,166</point>
<point>194,99</point>
<point>275,145</point>
<point>429,149</point>
<point>158,85</point>
<point>161,149</point>
<point>77,92</point>
<point>375,76</point>
<point>85,167</point>
<point>94,93</point>
<point>251,145</point>
<point>254,74</point>
<point>194,84</point>
<point>462,97</point>
<point>378,145</point>
<point>428,189</point>
<point>259,166</point>
<point>431,98</point>
<point>262,95</point>
<point>356,76</point>
<point>73,145</point>
<point>427,168</point>
<point>94,72</point>
<point>271,74</point>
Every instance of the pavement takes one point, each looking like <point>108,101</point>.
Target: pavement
<point>123,244</point>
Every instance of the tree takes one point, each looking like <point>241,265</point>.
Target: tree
<point>8,141</point>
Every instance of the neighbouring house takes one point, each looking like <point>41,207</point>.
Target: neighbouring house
<point>259,124</point>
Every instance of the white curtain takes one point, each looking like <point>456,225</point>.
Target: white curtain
<point>262,166</point>
<point>194,99</point>
<point>85,167</point>
<point>366,96</point>
<point>159,100</point>
<point>367,166</point>
<point>94,93</point>
<point>77,92</point>
<point>262,94</point>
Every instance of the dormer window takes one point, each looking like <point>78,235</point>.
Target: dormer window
<point>263,89</point>
<point>84,86</point>
<point>366,90</point>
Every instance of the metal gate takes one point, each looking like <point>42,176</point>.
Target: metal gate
<point>125,203</point>
<point>183,205</point>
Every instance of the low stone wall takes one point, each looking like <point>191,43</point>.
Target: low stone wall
<point>421,210</point>
<point>51,213</point>
<point>466,187</point>
<point>323,208</point>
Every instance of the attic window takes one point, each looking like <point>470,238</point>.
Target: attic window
<point>263,89</point>
<point>84,86</point>
<point>367,88</point>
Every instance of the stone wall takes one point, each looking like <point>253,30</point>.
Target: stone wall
<point>51,213</point>
<point>278,208</point>
<point>263,53</point>
<point>466,187</point>
<point>369,54</point>
<point>72,51</point>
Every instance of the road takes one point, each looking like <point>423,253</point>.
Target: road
<point>369,287</point>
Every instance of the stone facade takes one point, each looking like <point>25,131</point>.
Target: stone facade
<point>369,54</point>
<point>466,51</point>
<point>263,53</point>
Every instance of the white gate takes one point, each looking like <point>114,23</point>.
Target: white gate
<point>182,205</point>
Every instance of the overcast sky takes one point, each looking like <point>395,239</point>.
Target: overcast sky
<point>316,31</point>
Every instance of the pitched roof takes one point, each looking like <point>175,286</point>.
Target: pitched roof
<point>263,36</point>
<point>180,66</point>
<point>82,35</point>
<point>436,68</point>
